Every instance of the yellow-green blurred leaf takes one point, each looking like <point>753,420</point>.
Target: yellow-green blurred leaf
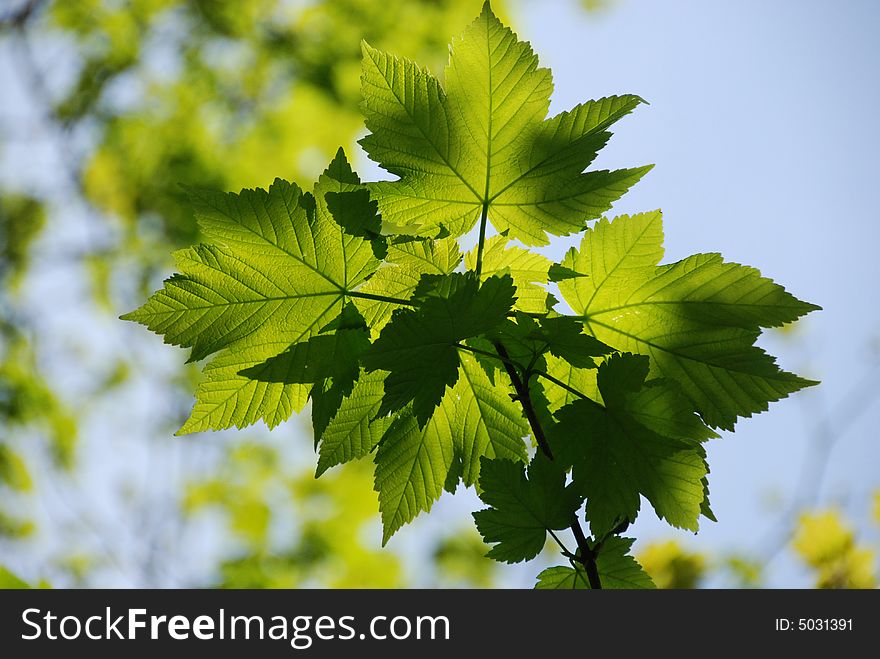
<point>9,580</point>
<point>672,566</point>
<point>13,470</point>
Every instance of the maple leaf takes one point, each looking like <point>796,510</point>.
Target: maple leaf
<point>696,319</point>
<point>523,509</point>
<point>275,268</point>
<point>475,420</point>
<point>625,449</point>
<point>482,145</point>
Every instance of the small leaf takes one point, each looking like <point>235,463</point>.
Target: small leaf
<point>616,458</point>
<point>523,510</point>
<point>558,272</point>
<point>617,570</point>
<point>418,346</point>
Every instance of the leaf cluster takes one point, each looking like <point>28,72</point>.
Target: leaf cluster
<point>450,368</point>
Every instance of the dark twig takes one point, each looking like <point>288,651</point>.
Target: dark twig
<point>586,556</point>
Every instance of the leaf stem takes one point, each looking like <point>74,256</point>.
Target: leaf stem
<point>379,298</point>
<point>565,551</point>
<point>484,217</point>
<point>484,353</point>
<point>560,383</point>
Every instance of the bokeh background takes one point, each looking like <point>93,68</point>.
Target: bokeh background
<point>763,127</point>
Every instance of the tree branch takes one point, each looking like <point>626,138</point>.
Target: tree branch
<point>586,556</point>
<point>17,19</point>
<point>520,386</point>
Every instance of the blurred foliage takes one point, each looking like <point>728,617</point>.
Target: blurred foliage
<point>27,401</point>
<point>460,561</point>
<point>334,543</point>
<point>13,527</point>
<point>823,540</point>
<point>743,571</point>
<point>329,547</point>
<point>597,5</point>
<point>9,580</point>
<point>672,566</point>
<point>21,220</point>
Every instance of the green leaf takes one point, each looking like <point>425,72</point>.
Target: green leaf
<point>527,269</point>
<point>662,407</point>
<point>9,581</point>
<point>582,380</point>
<point>418,346</point>
<point>476,418</point>
<point>696,319</point>
<point>558,272</point>
<point>355,212</point>
<point>225,398</point>
<point>486,422</point>
<point>523,510</point>
<point>617,570</point>
<point>358,215</point>
<point>412,467</point>
<point>616,458</point>
<point>528,340</point>
<point>483,141</point>
<point>322,356</point>
<point>329,362</point>
<point>405,263</point>
<point>705,507</point>
<point>561,577</point>
<point>275,269</point>
<point>565,339</point>
<point>353,431</point>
